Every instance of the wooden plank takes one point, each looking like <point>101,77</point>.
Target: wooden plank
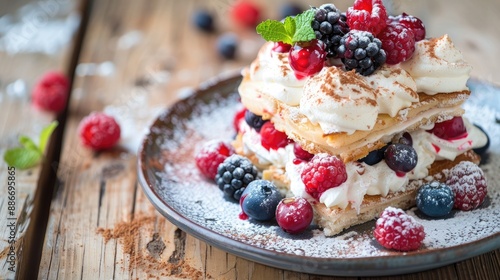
<point>24,60</point>
<point>101,225</point>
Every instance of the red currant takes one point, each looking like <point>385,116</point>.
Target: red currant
<point>301,153</point>
<point>450,129</point>
<point>272,138</point>
<point>307,58</point>
<point>281,47</point>
<point>294,214</point>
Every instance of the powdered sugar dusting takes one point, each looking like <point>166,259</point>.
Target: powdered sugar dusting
<point>181,187</point>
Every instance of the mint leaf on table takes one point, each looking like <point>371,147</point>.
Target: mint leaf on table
<point>22,158</point>
<point>29,154</point>
<point>291,30</point>
<point>45,135</point>
<point>304,30</point>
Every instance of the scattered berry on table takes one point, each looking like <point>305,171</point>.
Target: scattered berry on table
<point>234,174</point>
<point>329,25</point>
<point>307,58</point>
<point>211,154</point>
<point>468,183</point>
<point>398,42</point>
<point>367,15</point>
<point>301,153</point>
<point>99,131</point>
<point>51,92</point>
<point>321,173</point>
<point>203,20</point>
<point>270,138</point>
<point>281,47</point>
<point>361,51</point>
<point>435,199</point>
<point>238,118</point>
<point>411,22</point>
<point>290,9</point>
<point>450,129</point>
<point>400,158</point>
<point>481,150</point>
<point>227,45</point>
<point>245,13</point>
<point>374,157</point>
<point>294,214</point>
<point>397,230</point>
<point>254,121</point>
<point>260,199</point>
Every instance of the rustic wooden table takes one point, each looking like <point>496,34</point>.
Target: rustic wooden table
<point>81,214</point>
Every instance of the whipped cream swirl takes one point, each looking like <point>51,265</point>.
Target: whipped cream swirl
<point>271,74</point>
<point>437,66</point>
<point>394,88</point>
<point>339,101</point>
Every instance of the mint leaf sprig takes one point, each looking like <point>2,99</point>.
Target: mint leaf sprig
<point>30,153</point>
<point>291,30</point>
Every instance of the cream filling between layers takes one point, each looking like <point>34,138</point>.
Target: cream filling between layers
<point>379,179</point>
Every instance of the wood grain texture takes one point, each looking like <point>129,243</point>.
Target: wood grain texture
<point>149,53</point>
<point>21,68</point>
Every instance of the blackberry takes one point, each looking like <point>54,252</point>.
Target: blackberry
<point>329,25</point>
<point>254,121</point>
<point>361,51</point>
<point>234,175</point>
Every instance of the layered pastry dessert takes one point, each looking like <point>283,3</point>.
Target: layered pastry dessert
<point>355,115</point>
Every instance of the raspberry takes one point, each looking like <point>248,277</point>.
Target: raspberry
<point>245,13</point>
<point>323,172</point>
<point>467,181</point>
<point>367,15</point>
<point>211,155</point>
<point>270,138</point>
<point>411,22</point>
<point>398,43</point>
<point>234,174</point>
<point>99,131</point>
<point>329,25</point>
<point>399,231</point>
<point>51,92</point>
<point>301,153</point>
<point>360,50</point>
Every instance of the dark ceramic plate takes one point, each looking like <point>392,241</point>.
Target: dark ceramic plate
<point>171,181</point>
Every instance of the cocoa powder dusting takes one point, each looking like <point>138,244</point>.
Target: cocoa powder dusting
<point>128,233</point>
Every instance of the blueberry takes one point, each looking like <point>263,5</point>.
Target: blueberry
<point>435,199</point>
<point>203,20</point>
<point>254,121</point>
<point>374,157</point>
<point>227,45</point>
<point>290,9</point>
<point>401,157</point>
<point>260,199</point>
<point>480,151</point>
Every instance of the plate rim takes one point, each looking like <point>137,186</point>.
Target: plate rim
<point>387,265</point>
